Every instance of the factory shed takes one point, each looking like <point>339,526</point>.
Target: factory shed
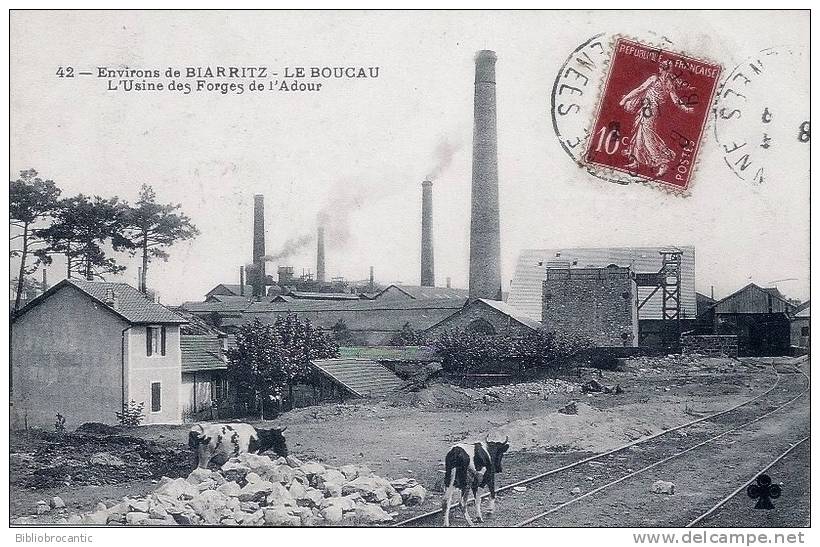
<point>307,295</point>
<point>227,289</point>
<point>204,375</point>
<point>370,322</point>
<point>760,317</point>
<point>415,292</point>
<point>358,377</point>
<point>801,329</point>
<point>483,316</point>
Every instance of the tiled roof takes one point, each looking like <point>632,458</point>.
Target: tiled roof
<point>417,292</point>
<point>362,377</point>
<point>201,352</point>
<point>527,283</point>
<point>132,305</point>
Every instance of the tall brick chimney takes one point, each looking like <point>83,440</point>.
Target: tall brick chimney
<point>259,245</point>
<point>485,239</point>
<point>241,280</point>
<point>428,278</point>
<point>320,254</point>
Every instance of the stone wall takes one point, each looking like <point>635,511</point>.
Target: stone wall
<point>710,344</point>
<point>598,303</point>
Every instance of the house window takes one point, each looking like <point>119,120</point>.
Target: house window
<point>220,389</point>
<point>804,331</point>
<point>155,341</point>
<point>156,396</point>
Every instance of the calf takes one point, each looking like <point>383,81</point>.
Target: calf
<point>222,441</point>
<point>470,467</point>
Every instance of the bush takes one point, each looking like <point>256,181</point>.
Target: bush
<point>464,352</point>
<point>407,336</point>
<point>132,413</point>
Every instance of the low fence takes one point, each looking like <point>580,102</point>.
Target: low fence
<point>715,345</point>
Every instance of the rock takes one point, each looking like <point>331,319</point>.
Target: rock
<point>95,518</point>
<point>199,475</point>
<point>279,495</point>
<point>520,488</point>
<point>592,386</point>
<point>415,495</point>
<point>257,518</point>
<point>663,487</point>
<point>141,506</point>
<point>280,516</point>
<point>312,468</point>
<point>253,477</point>
<point>332,514</point>
<point>570,409</point>
<point>297,490</point>
<point>575,491</point>
<point>135,517</point>
<point>177,488</point>
<point>249,506</point>
<point>345,503</point>
<point>333,489</point>
<point>42,507</point>
<point>105,458</point>
<point>57,502</point>
<point>101,506</point>
<point>369,513</point>
<point>233,470</point>
<point>349,471</point>
<point>256,491</point>
<point>330,476</point>
<point>230,489</point>
<point>293,461</point>
<point>372,488</point>
<point>401,484</point>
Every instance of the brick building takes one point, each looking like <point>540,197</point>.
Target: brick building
<point>483,316</point>
<point>598,303</point>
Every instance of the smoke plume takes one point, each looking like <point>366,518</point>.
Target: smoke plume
<point>443,157</point>
<point>291,247</point>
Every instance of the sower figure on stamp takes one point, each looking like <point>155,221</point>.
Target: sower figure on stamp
<point>647,147</point>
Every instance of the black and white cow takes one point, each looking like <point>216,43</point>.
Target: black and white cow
<point>471,466</point>
<point>223,441</point>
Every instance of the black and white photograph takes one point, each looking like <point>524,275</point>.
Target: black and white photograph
<point>409,269</point>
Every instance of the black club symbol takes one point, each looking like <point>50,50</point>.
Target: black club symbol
<point>764,492</point>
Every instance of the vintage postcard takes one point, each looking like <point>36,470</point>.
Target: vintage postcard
<point>410,269</point>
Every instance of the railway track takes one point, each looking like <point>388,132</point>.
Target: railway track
<point>637,457</point>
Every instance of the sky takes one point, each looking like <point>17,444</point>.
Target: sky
<point>359,149</point>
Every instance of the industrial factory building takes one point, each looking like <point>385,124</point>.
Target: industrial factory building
<point>651,299</point>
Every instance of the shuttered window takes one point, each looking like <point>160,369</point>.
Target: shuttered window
<point>156,396</point>
<point>154,341</point>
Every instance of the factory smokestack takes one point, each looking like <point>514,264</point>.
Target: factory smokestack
<point>320,255</point>
<point>241,280</point>
<point>372,282</point>
<point>428,278</point>
<point>485,240</point>
<point>259,245</point>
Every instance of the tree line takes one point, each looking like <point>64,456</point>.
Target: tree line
<point>85,230</point>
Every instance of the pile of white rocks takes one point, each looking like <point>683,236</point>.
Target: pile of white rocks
<point>254,490</point>
<point>525,390</point>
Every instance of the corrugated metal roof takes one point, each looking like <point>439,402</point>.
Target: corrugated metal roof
<point>201,352</point>
<point>527,284</point>
<point>323,305</point>
<point>804,313</point>
<point>132,305</point>
<point>362,377</point>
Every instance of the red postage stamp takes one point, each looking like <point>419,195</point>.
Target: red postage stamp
<point>652,114</point>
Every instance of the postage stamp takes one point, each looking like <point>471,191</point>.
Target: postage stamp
<point>652,113</point>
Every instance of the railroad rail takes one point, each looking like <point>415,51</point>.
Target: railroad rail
<point>749,406</point>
